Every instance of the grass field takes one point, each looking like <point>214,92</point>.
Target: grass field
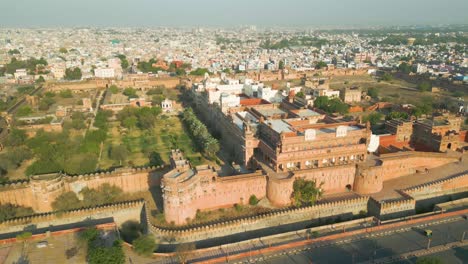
<point>167,134</point>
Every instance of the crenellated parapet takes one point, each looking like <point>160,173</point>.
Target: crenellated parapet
<point>282,216</point>
<point>40,191</point>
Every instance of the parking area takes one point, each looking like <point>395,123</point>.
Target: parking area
<point>57,249</point>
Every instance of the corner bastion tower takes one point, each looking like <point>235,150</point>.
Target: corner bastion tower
<point>187,189</point>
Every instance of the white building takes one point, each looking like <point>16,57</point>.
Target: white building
<point>166,105</point>
<point>20,73</point>
<point>104,73</point>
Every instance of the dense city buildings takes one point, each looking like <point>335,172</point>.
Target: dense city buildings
<point>198,138</point>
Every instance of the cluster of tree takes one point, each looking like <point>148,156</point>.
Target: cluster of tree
<point>226,41</point>
<point>421,39</point>
<point>100,121</point>
<point>202,138</point>
<point>132,232</point>
<point>199,72</point>
<point>405,68</point>
<point>424,107</point>
<point>45,103</point>
<point>294,42</point>
<point>24,110</point>
<point>56,152</point>
<point>8,211</point>
<point>31,65</point>
<point>12,159</point>
<point>78,121</point>
<point>320,65</point>
<point>105,194</point>
<point>130,92</point>
<point>73,74</point>
<point>373,118</point>
<point>305,192</point>
<point>13,52</point>
<point>158,94</point>
<point>397,115</point>
<point>98,252</point>
<point>334,105</point>
<point>180,70</point>
<point>147,66</point>
<point>123,61</point>
<point>143,117</point>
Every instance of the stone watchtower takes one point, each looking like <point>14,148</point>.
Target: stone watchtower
<point>45,189</point>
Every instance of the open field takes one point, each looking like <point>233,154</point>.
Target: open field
<point>167,134</point>
<point>396,91</point>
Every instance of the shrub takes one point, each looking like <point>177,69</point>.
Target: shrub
<point>144,245</point>
<point>253,200</point>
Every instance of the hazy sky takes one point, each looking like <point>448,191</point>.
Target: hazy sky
<point>32,13</point>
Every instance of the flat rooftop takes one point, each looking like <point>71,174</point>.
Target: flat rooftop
<point>306,113</point>
<point>270,112</point>
<point>279,126</point>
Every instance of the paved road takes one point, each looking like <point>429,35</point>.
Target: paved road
<point>378,246</point>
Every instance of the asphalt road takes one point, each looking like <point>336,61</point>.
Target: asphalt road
<point>381,245</point>
<point>387,244</point>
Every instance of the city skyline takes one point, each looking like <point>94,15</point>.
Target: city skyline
<point>299,13</point>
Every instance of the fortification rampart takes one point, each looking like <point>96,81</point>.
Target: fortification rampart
<point>455,184</point>
<point>118,213</point>
<point>41,190</point>
<point>344,209</point>
<point>370,178</point>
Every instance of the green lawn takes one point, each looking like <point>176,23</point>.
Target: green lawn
<point>167,134</point>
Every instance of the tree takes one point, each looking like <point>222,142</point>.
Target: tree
<point>73,74</point>
<point>321,65</point>
<point>45,103</point>
<point>373,92</point>
<point>183,251</point>
<point>387,77</point>
<point>119,153</point>
<point>305,192</point>
<point>63,50</point>
<point>404,68</point>
<point>429,260</point>
<point>66,201</point>
<point>13,52</point>
<point>40,80</point>
<point>131,230</point>
<point>253,200</point>
<point>144,245</point>
<point>373,118</point>
<point>396,115</point>
<point>199,72</point>
<point>424,86</point>
<point>8,211</point>
<point>300,95</point>
<point>130,122</point>
<point>130,92</point>
<point>114,89</point>
<point>281,65</point>
<point>123,61</point>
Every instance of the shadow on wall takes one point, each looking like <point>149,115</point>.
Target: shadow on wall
<point>34,230</point>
